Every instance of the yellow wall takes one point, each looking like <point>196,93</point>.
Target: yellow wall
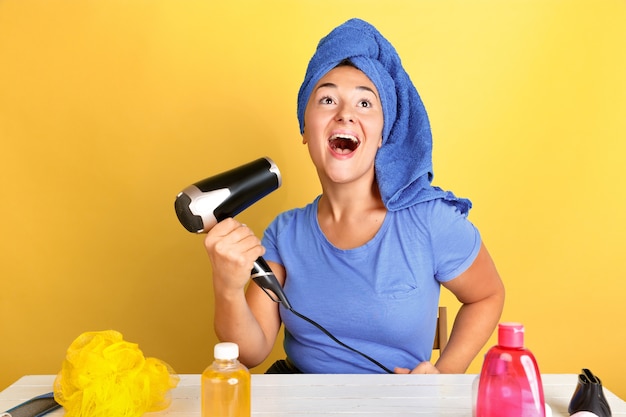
<point>109,108</point>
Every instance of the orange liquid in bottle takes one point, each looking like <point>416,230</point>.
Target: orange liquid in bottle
<point>226,390</point>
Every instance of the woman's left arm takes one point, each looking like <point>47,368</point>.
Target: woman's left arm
<point>481,292</point>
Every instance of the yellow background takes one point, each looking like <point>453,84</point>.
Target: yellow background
<point>109,108</point>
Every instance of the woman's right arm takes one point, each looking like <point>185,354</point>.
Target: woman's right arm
<point>249,318</point>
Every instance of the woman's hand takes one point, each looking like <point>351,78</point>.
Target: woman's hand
<point>232,248</point>
<point>423,368</point>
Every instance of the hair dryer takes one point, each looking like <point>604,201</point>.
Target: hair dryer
<point>203,204</point>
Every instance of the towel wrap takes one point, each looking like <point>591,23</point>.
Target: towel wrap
<point>404,162</point>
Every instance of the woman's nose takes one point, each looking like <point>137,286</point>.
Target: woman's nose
<point>346,114</point>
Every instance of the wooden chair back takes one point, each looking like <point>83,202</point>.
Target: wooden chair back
<point>441,333</point>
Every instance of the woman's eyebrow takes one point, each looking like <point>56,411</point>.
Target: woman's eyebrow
<point>359,87</point>
<point>366,88</point>
<point>330,85</point>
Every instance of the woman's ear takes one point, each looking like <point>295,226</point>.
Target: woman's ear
<point>304,141</point>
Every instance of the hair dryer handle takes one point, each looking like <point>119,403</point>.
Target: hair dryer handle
<point>263,276</point>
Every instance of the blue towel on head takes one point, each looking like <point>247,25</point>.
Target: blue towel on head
<point>404,162</point>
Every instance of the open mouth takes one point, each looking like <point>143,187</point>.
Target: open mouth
<point>344,144</point>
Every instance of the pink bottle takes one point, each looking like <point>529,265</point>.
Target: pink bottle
<point>510,382</point>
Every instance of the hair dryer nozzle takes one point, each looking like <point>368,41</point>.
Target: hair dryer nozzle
<point>203,204</point>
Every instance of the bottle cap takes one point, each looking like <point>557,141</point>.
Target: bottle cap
<point>511,335</point>
<point>226,351</point>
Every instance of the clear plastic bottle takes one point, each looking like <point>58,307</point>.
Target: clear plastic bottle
<point>226,384</point>
<point>510,382</point>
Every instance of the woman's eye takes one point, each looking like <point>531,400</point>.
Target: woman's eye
<point>326,100</point>
<point>365,103</point>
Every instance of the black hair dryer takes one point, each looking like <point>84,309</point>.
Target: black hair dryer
<point>203,204</point>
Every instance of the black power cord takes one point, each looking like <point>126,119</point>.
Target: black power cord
<point>263,276</point>
<point>329,334</point>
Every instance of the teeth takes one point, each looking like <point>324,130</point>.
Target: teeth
<point>345,137</point>
<point>344,144</point>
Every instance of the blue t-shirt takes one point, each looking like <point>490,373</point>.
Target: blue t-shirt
<point>380,298</point>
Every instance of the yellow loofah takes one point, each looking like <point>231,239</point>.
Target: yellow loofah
<point>105,376</point>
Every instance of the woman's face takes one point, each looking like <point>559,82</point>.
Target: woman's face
<point>343,125</point>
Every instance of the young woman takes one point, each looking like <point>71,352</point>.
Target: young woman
<point>367,257</point>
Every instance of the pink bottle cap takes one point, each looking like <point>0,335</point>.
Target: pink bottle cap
<point>511,335</point>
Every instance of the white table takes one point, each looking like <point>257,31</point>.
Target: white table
<point>338,395</point>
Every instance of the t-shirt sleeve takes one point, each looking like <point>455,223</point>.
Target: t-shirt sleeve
<point>270,242</point>
<point>455,241</point>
